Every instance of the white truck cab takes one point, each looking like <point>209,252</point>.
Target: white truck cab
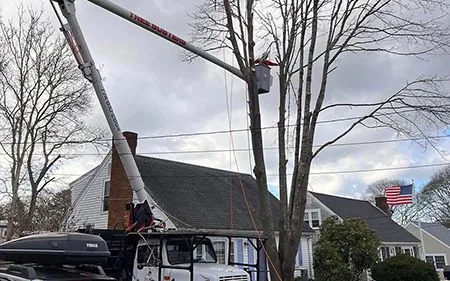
<point>176,258</point>
<point>173,255</point>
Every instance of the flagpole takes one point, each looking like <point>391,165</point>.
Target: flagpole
<point>422,256</point>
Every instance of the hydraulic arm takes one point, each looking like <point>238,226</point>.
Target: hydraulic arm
<point>75,38</point>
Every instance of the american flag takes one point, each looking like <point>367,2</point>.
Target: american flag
<point>399,195</point>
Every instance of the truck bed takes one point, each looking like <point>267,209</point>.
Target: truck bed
<point>120,262</point>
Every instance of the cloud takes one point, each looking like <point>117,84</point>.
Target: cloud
<point>154,93</point>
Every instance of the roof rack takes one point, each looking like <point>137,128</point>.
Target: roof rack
<point>56,248</point>
<point>23,271</point>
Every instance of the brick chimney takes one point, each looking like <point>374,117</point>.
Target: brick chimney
<point>381,202</point>
<point>120,189</point>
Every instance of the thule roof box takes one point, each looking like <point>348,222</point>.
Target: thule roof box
<point>56,248</point>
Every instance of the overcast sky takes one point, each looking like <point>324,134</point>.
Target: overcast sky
<point>155,93</point>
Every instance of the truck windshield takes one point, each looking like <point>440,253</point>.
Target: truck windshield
<point>179,251</point>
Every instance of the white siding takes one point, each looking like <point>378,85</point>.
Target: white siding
<point>77,186</point>
<point>87,197</point>
<point>307,255</point>
<point>430,243</point>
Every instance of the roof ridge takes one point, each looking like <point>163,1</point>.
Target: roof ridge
<point>341,197</point>
<point>193,165</point>
<point>426,224</point>
<point>386,228</point>
<point>354,199</point>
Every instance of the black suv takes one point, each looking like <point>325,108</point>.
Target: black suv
<point>26,272</point>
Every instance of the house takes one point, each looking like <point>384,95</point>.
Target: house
<point>395,239</point>
<point>3,228</point>
<point>435,241</point>
<point>184,196</point>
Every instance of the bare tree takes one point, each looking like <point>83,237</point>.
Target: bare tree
<point>376,188</point>
<point>44,101</point>
<point>400,213</point>
<point>308,39</point>
<point>51,210</point>
<point>436,197</point>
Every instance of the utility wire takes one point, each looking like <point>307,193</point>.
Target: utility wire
<point>247,129</point>
<point>249,149</point>
<point>222,131</point>
<point>312,173</point>
<point>380,169</point>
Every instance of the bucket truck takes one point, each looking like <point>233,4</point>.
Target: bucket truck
<point>143,253</point>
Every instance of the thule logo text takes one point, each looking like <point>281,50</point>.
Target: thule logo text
<point>91,245</point>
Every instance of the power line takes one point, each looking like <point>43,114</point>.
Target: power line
<point>237,174</point>
<point>265,148</point>
<point>192,134</point>
<point>262,128</point>
<point>380,169</point>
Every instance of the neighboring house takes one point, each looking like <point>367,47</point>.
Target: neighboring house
<point>435,241</point>
<point>3,227</point>
<point>185,196</point>
<point>395,239</point>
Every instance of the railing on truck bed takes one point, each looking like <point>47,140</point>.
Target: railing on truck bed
<point>120,263</point>
<point>122,246</point>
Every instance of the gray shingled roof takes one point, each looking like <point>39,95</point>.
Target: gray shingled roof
<point>437,230</point>
<point>202,197</point>
<point>346,208</point>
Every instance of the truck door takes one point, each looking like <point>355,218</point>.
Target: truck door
<point>146,261</point>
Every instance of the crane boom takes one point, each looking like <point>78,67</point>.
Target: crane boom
<point>147,25</point>
<point>77,43</point>
<point>75,38</point>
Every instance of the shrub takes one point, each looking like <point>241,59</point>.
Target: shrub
<point>404,268</point>
<point>344,250</point>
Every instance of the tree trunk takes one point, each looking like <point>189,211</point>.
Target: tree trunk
<point>261,177</point>
<point>31,212</point>
<point>282,162</point>
<point>10,227</point>
<point>12,214</point>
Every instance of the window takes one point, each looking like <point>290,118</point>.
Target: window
<point>437,260</point>
<point>231,251</point>
<point>408,251</point>
<point>106,190</point>
<point>312,217</point>
<point>387,252</point>
<point>384,253</point>
<point>179,251</point>
<point>219,247</point>
<point>392,251</point>
<point>416,250</point>
<point>429,259</point>
<point>440,261</point>
<point>148,255</point>
<point>198,252</point>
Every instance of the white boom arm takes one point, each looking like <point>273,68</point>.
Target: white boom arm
<point>145,24</point>
<point>76,40</point>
